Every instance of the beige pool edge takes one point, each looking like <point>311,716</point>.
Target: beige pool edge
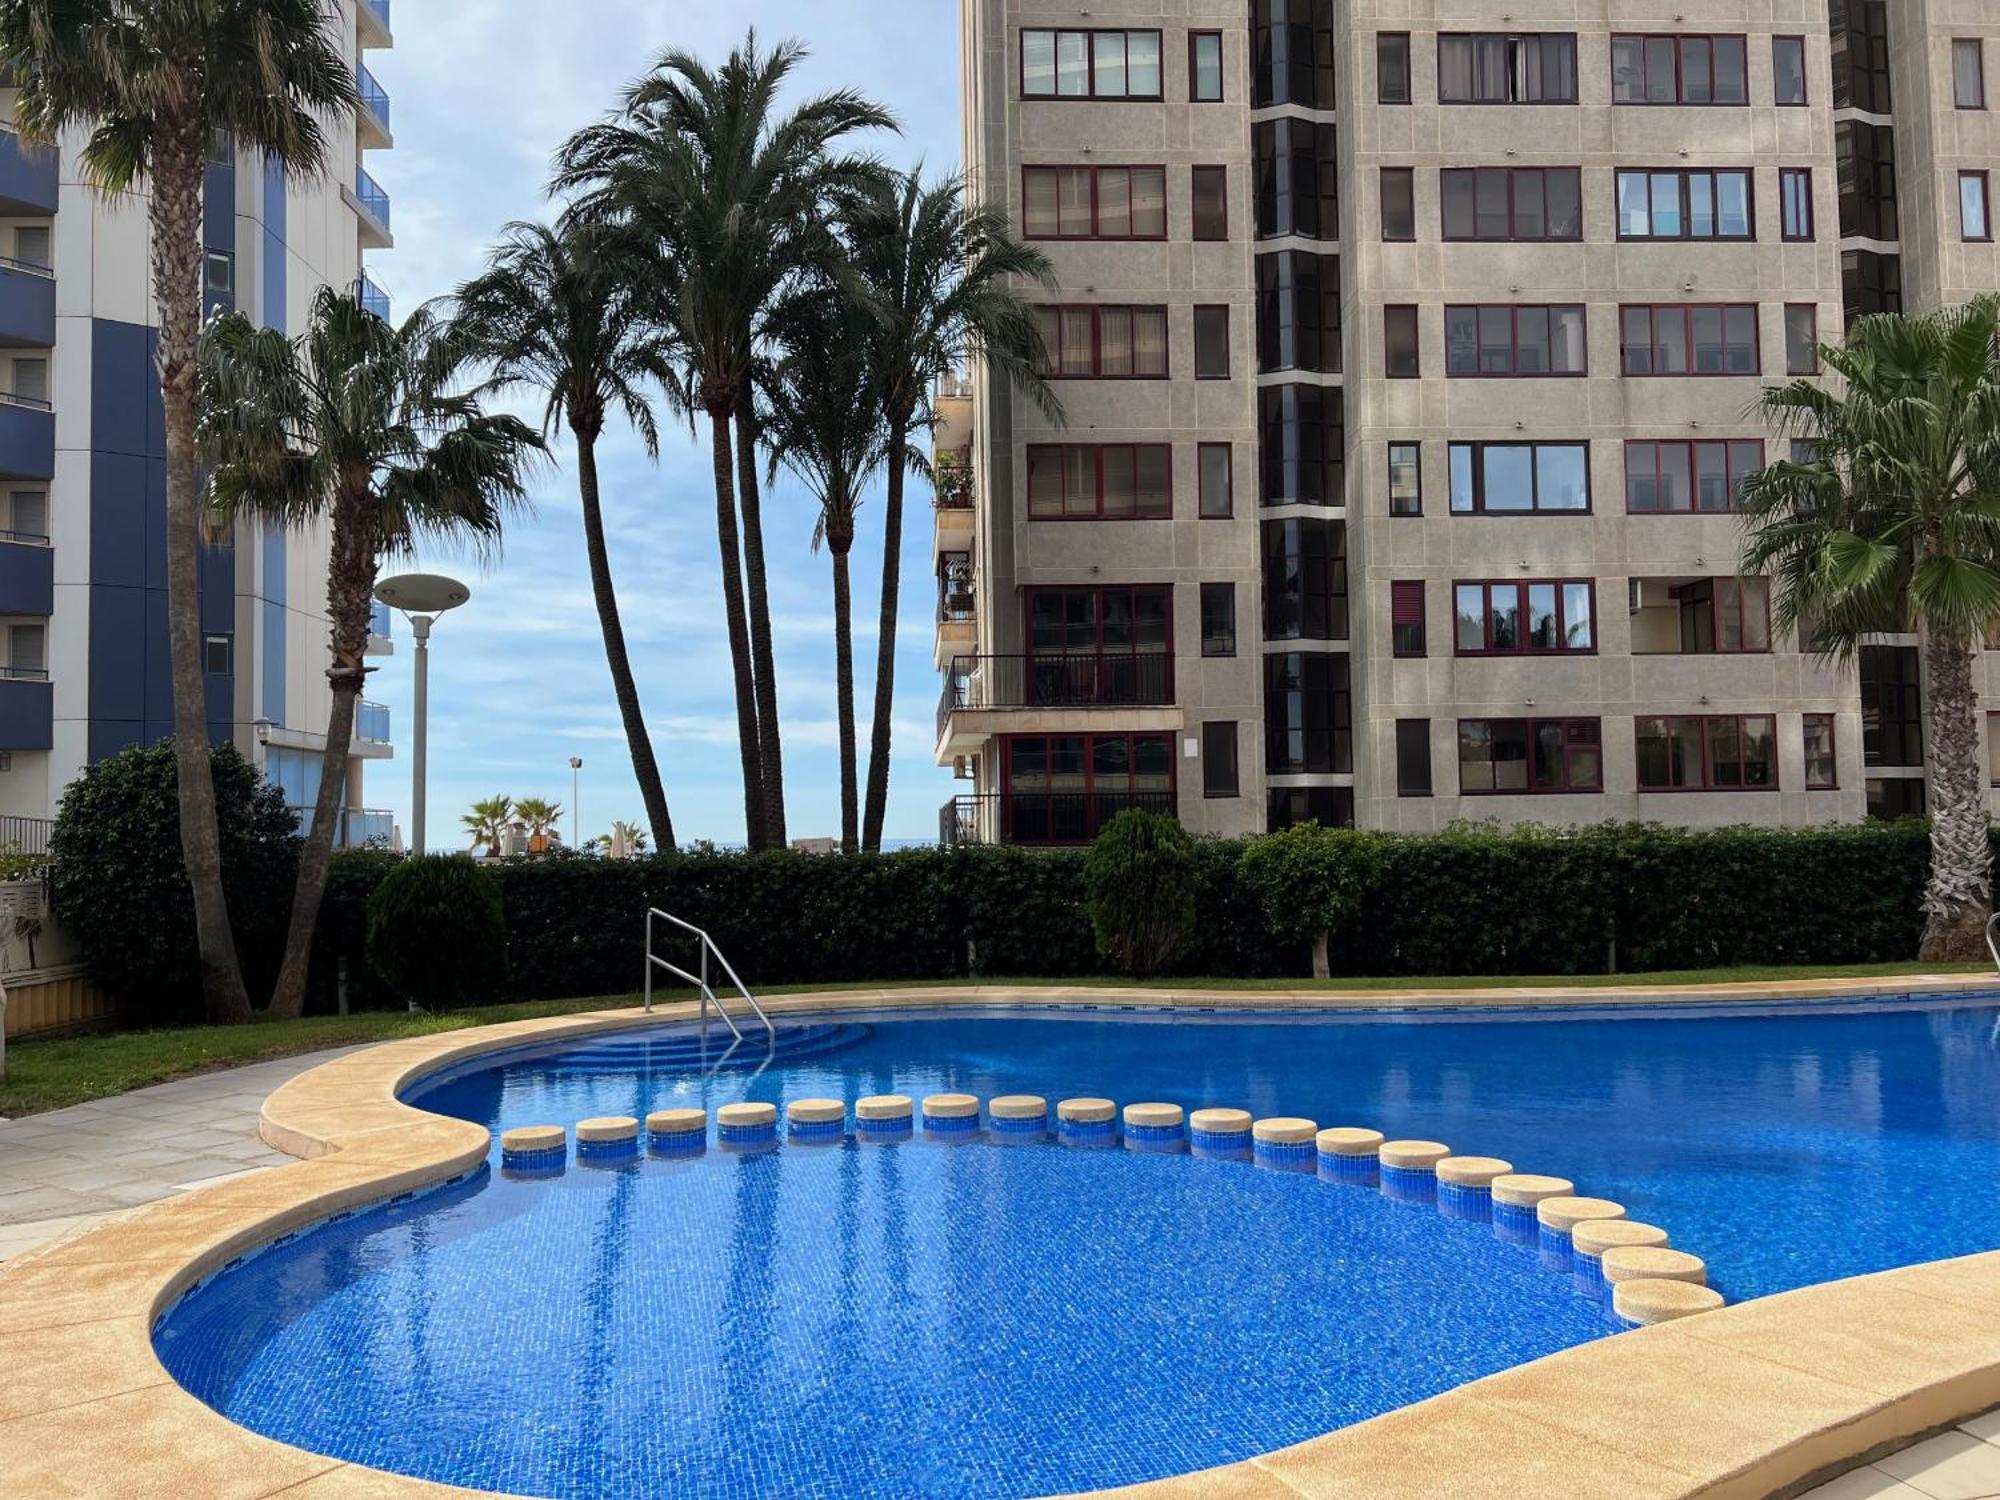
<point>1752,1400</point>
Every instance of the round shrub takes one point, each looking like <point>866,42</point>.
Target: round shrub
<point>1311,882</point>
<point>120,889</point>
<point>1139,878</point>
<point>436,933</point>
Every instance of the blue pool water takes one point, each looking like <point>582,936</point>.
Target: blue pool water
<point>938,1319</point>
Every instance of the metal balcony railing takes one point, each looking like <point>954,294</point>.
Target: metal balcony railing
<point>1080,679</point>
<point>1042,817</point>
<point>953,473</point>
<point>24,674</point>
<point>374,98</point>
<point>25,835</point>
<point>33,403</point>
<point>371,197</point>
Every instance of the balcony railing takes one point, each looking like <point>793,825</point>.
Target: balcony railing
<point>374,98</point>
<point>381,619</point>
<point>380,10</point>
<point>1080,679</point>
<point>1042,817</point>
<point>372,297</point>
<point>955,597</point>
<point>371,723</point>
<point>25,835</point>
<point>953,473</point>
<point>371,197</point>
<point>355,826</point>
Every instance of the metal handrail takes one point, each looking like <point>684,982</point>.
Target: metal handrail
<point>1993,947</point>
<point>700,981</point>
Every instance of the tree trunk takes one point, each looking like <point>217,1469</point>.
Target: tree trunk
<point>1959,896</point>
<point>839,543</point>
<point>1322,968</point>
<point>761,666</point>
<point>180,150</point>
<point>739,636</point>
<point>644,766</point>
<point>885,644</point>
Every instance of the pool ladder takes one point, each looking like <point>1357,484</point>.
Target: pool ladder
<point>700,980</point>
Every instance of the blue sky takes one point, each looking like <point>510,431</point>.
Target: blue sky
<point>483,91</point>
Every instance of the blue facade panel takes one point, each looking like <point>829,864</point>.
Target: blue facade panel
<point>28,178</point>
<point>275,288</point>
<point>27,308</point>
<point>27,715</point>
<point>27,442</point>
<point>27,579</point>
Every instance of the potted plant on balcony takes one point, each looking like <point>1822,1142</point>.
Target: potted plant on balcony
<point>958,588</point>
<point>952,479</point>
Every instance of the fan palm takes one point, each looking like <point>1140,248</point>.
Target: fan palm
<point>362,426</point>
<point>732,193</point>
<point>566,311</point>
<point>488,823</point>
<point>541,816</point>
<point>824,422</point>
<point>1887,517</point>
<point>941,278</point>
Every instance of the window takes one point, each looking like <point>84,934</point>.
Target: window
<point>1509,340</point>
<point>1392,67</point>
<point>1095,647</point>
<point>1677,205</point>
<point>1305,579</point>
<point>1215,463</point>
<point>1211,343</point>
<point>1801,338</point>
<point>32,245</point>
<point>1205,67</point>
<point>1788,70</point>
<point>1303,432</point>
<point>1297,167</point>
<point>1714,752</point>
<point>1519,478</point>
<point>1105,343</point>
<point>1709,338</point>
<point>1860,35</point>
<point>1413,757</point>
<point>31,379</point>
<point>1892,706</point>
<point>1093,481</point>
<point>219,272</point>
<point>1406,479</point>
<point>1060,789</point>
<point>1968,73</point>
<point>1400,358</point>
<point>1308,713</point>
<point>1298,312</point>
<point>1218,759</point>
<point>1292,53</point>
<point>28,651</point>
<point>1679,70</point>
<point>1406,617</point>
<point>28,515</point>
<point>1795,205</point>
<point>215,655</point>
<point>1867,161</point>
<point>1328,806</point>
<point>1870,283</point>
<point>1094,203</point>
<point>1210,203</point>
<point>1822,769</point>
<point>1685,477</point>
<point>1497,68</point>
<point>1529,755</point>
<point>1090,64</point>
<point>1724,616</point>
<point>1511,203</point>
<point>1974,223</point>
<point>1510,618</point>
<point>1218,619</point>
<point>1399,203</point>
<point>1890,798</point>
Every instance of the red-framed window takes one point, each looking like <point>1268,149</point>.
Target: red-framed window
<point>1099,647</point>
<point>1822,764</point>
<point>1402,350</point>
<point>1406,617</point>
<point>1795,203</point>
<point>1205,79</point>
<point>1975,206</point>
<point>1100,481</point>
<point>1211,342</point>
<point>1694,339</point>
<point>1519,479</point>
<point>1094,203</point>
<point>1406,478</point>
<point>1510,757</point>
<point>1215,472</point>
<point>1708,753</point>
<point>1090,64</point>
<point>1218,759</point>
<point>1691,203</point>
<point>1392,67</point>
<point>1062,788</point>
<point>1399,204</point>
<point>1208,189</point>
<point>1102,341</point>
<point>1544,617</point>
<point>1724,616</point>
<point>1801,338</point>
<point>1968,73</point>
<point>1689,478</point>
<point>1413,757</point>
<point>1788,72</point>
<point>1511,204</point>
<point>1498,67</point>
<point>1508,340</point>
<point>1679,69</point>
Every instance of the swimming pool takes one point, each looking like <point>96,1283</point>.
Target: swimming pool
<point>871,1320</point>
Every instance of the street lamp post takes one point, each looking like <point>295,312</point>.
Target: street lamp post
<point>576,801</point>
<point>422,597</point>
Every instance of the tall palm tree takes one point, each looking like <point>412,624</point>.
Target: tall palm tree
<point>488,822</point>
<point>542,816</point>
<point>155,82</point>
<point>363,426</point>
<point>568,311</point>
<point>1888,518</point>
<point>824,422</point>
<point>733,193</point>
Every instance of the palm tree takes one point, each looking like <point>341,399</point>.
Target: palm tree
<point>942,278</point>
<point>567,311</point>
<point>154,82</point>
<point>488,823</point>
<point>825,423</point>
<point>358,424</point>
<point>541,816</point>
<point>733,195</point>
<point>634,835</point>
<point>1887,518</point>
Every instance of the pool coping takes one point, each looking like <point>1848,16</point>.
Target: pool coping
<point>1756,1399</point>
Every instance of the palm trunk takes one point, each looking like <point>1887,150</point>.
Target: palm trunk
<point>739,635</point>
<point>763,671</point>
<point>644,766</point>
<point>180,150</point>
<point>885,644</point>
<point>839,543</point>
<point>1959,896</point>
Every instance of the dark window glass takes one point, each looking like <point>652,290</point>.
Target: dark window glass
<point>1298,312</point>
<point>1685,205</point>
<point>1061,789</point>
<point>1537,617</point>
<point>1399,203</point>
<point>1511,203</point>
<point>1498,68</point>
<point>1413,757</point>
<point>1305,579</point>
<point>1866,157</point>
<point>1822,767</point>
<point>1689,339</point>
<point>1211,343</point>
<point>1801,338</point>
<point>1870,283</point>
<point>1292,53</point>
<point>1328,806</point>
<point>1297,170</point>
<point>1304,444</point>
<point>1968,73</point>
<point>1515,340</point>
<point>1724,616</point>
<point>1392,67</point>
<point>1520,478</point>
<point>1090,64</point>
<point>1111,480</point>
<point>1308,713</point>
<point>1218,759</point>
<point>1218,619</point>
<point>1892,706</point>
<point>1406,617</point>
<point>1712,752</point>
<point>1681,477</point>
<point>1860,35</point>
<point>1892,797</point>
<point>1205,67</point>
<point>1795,206</point>
<point>1400,357</point>
<point>1679,69</point>
<point>1217,480</point>
<point>1788,70</point>
<point>1406,479</point>
<point>1210,203</point>
<point>1502,756</point>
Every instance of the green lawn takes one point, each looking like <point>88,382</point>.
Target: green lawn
<point>45,1075</point>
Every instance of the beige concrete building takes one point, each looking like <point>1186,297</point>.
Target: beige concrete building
<point>1405,349</point>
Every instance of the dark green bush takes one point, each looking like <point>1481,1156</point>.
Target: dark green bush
<point>1139,877</point>
<point>1311,881</point>
<point>120,890</point>
<point>437,935</point>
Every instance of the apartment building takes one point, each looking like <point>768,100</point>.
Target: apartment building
<point>1406,353</point>
<point>83,623</point>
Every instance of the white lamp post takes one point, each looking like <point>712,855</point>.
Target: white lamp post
<point>422,597</point>
<point>575,801</point>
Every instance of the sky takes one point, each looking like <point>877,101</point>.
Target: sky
<point>483,91</point>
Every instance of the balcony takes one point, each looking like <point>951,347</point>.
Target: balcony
<point>373,16</point>
<point>957,633</point>
<point>355,828</point>
<point>987,695</point>
<point>27,575</point>
<point>372,119</point>
<point>27,305</point>
<point>371,732</point>
<point>371,205</point>
<point>372,297</point>
<point>1041,817</point>
<point>952,504</point>
<point>28,178</point>
<point>27,709</point>
<point>27,437</point>
<point>381,622</point>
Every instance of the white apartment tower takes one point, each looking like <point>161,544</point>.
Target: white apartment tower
<point>1406,350</point>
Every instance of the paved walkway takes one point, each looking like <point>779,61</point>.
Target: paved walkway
<point>1962,1464</point>
<point>66,1170</point>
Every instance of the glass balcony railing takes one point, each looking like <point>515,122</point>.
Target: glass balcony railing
<point>375,300</point>
<point>372,198</point>
<point>380,10</point>
<point>381,619</point>
<point>371,723</point>
<point>374,98</point>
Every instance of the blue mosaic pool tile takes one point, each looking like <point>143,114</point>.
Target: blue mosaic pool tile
<point>1553,1245</point>
<point>951,1124</point>
<point>746,1135</point>
<point>1033,1127</point>
<point>1516,1224</point>
<point>816,1130</point>
<point>1155,1132</point>
<point>534,1161</point>
<point>883,1130</point>
<point>677,1142</point>
<point>1286,1153</point>
<point>1587,1272</point>
<point>1354,1171</point>
<point>1457,1200</point>
<point>1407,1185</point>
<point>1070,1131</point>
<point>1213,1146</point>
<point>604,1151</point>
